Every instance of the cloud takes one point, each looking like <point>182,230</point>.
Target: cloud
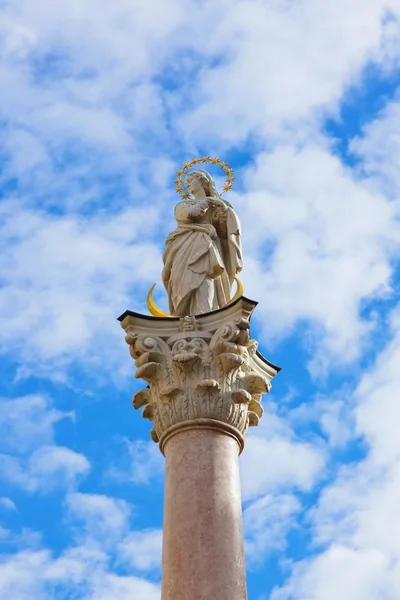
<point>100,525</point>
<point>104,519</point>
<point>114,586</point>
<point>8,504</point>
<point>20,576</point>
<point>275,460</point>
<point>280,71</point>
<point>266,523</point>
<point>341,572</point>
<point>79,572</point>
<point>71,278</point>
<point>28,422</point>
<point>80,105</point>
<point>146,461</point>
<point>321,246</point>
<point>355,522</point>
<point>333,414</point>
<point>142,550</point>
<point>102,522</point>
<point>57,462</point>
<point>378,149</point>
<point>46,469</point>
<point>102,100</point>
<point>30,458</point>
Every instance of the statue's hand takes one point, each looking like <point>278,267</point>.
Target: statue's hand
<point>214,203</point>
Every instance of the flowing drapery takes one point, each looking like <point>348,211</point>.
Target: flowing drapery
<point>202,256</point>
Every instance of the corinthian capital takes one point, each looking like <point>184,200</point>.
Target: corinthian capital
<point>200,371</point>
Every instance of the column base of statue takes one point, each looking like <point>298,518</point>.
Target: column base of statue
<point>203,554</point>
<point>205,382</point>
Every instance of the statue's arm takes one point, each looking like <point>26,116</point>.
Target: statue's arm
<point>190,212</point>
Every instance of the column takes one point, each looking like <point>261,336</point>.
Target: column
<point>205,382</point>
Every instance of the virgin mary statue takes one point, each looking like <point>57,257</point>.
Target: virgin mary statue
<point>203,254</point>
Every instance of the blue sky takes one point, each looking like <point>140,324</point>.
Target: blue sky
<point>100,105</point>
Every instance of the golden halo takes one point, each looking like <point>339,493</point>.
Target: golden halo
<point>157,312</point>
<point>207,160</point>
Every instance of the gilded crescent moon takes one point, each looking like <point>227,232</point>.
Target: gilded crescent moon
<point>157,312</point>
<point>152,306</point>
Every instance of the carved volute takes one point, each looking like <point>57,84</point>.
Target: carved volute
<point>203,368</point>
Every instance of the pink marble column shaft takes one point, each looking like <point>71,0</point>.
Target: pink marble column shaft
<point>203,556</point>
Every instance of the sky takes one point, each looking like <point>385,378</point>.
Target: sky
<point>100,104</point>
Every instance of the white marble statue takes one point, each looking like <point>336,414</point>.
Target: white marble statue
<point>203,254</point>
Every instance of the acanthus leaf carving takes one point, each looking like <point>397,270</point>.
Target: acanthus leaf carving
<point>241,397</point>
<point>149,410</point>
<point>141,398</point>
<point>256,407</point>
<point>150,372</point>
<point>211,385</point>
<point>253,419</point>
<point>196,372</point>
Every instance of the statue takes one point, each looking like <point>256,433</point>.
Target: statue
<point>203,383</point>
<point>203,254</point>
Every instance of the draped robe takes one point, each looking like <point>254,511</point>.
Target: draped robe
<point>201,258</point>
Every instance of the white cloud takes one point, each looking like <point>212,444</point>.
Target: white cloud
<point>282,67</point>
<point>70,279</point>
<point>104,519</point>
<point>78,572</point>
<point>52,463</point>
<point>20,576</point>
<point>102,522</point>
<point>355,524</point>
<point>341,573</point>
<point>112,586</point>
<point>330,241</point>
<point>27,422</point>
<point>47,468</point>
<point>275,460</point>
<point>88,98</point>
<point>277,463</point>
<point>266,523</point>
<point>91,123</point>
<point>8,504</point>
<point>100,525</point>
<point>30,459</point>
<point>142,549</point>
<point>146,461</point>
<point>333,414</point>
<point>378,147</point>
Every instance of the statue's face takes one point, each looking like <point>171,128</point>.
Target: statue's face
<point>193,184</point>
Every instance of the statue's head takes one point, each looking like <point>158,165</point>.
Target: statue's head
<point>201,177</point>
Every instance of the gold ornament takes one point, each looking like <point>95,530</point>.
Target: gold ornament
<point>157,312</point>
<point>207,160</point>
